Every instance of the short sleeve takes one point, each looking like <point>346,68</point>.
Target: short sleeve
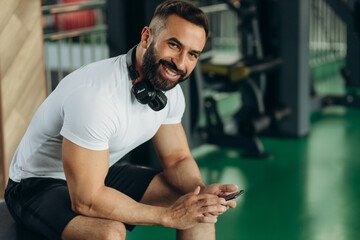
<point>176,103</point>
<point>89,119</point>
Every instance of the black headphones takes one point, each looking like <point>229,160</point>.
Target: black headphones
<point>144,91</point>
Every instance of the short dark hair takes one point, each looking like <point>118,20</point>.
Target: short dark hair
<point>182,9</point>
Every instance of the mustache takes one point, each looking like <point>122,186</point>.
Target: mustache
<point>172,66</point>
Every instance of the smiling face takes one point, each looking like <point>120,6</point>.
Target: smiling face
<point>173,53</point>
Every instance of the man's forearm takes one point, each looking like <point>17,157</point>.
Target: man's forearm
<point>184,175</point>
<point>111,204</point>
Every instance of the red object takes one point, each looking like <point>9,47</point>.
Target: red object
<point>74,20</point>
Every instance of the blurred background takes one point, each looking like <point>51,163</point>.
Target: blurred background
<point>272,106</point>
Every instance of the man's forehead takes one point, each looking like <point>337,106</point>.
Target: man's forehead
<point>185,32</point>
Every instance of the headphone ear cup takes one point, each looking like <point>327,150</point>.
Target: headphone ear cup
<point>159,102</point>
<point>144,92</point>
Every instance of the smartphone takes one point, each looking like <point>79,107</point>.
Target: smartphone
<point>234,195</point>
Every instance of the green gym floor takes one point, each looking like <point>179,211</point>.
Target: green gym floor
<point>308,191</point>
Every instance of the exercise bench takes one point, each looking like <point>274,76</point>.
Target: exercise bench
<point>9,230</point>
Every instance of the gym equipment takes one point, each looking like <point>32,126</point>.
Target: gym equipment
<point>350,99</point>
<point>74,20</point>
<point>9,230</point>
<point>252,118</point>
<point>350,16</point>
<point>249,77</point>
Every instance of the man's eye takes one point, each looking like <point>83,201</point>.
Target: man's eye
<point>173,45</point>
<point>194,55</point>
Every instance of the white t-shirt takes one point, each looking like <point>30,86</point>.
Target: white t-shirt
<point>94,108</point>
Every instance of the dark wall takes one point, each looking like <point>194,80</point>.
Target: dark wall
<point>125,20</point>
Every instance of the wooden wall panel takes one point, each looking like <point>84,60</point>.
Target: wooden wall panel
<point>22,74</point>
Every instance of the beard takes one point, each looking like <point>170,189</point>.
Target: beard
<point>151,67</point>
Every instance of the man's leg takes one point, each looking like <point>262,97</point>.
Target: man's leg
<point>160,193</point>
<point>82,227</point>
<point>201,231</point>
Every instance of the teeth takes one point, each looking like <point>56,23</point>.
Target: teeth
<point>170,72</point>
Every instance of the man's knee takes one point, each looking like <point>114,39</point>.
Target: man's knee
<point>114,231</point>
<point>82,227</point>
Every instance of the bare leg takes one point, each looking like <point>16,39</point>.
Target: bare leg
<point>85,228</point>
<point>160,193</point>
<point>200,231</point>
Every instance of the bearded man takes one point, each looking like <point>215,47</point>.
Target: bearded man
<point>64,182</point>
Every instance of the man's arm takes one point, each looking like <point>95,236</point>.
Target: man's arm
<point>85,172</point>
<point>180,168</point>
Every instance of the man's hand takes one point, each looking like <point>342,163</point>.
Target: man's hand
<point>221,190</point>
<point>194,208</point>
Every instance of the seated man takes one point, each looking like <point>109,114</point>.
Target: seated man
<point>64,182</point>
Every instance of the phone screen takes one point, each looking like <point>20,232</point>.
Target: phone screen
<point>234,195</point>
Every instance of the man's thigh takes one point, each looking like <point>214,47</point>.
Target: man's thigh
<point>131,180</point>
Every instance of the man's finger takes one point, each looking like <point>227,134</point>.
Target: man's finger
<point>197,190</point>
<point>213,209</point>
<point>215,201</point>
<point>228,187</point>
<point>231,203</point>
<point>205,197</point>
<point>209,214</point>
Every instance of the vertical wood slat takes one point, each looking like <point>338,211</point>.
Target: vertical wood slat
<point>22,74</point>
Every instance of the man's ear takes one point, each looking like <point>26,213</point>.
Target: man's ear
<point>146,37</point>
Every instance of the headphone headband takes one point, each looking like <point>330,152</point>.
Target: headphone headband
<point>130,62</point>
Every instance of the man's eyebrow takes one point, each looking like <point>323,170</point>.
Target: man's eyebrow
<point>175,40</point>
<point>181,45</point>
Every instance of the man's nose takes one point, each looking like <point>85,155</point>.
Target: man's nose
<point>180,61</point>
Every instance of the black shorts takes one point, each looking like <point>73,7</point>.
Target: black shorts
<point>43,204</point>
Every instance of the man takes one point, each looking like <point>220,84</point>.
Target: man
<point>63,181</point>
